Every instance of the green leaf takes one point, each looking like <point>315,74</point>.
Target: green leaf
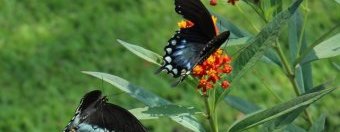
<point>263,116</point>
<point>238,41</point>
<point>146,97</point>
<point>288,118</point>
<point>288,128</point>
<point>294,33</point>
<point>259,44</point>
<point>241,104</point>
<point>318,125</point>
<point>284,120</point>
<point>142,53</point>
<point>271,57</point>
<point>164,110</point>
<point>297,42</point>
<point>326,49</point>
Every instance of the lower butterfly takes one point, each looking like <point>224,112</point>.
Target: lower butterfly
<point>95,114</point>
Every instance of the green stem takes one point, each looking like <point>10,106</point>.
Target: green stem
<point>210,114</point>
<point>283,59</point>
<point>291,76</point>
<point>302,31</point>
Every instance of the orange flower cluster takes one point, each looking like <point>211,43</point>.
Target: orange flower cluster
<point>210,71</point>
<point>214,2</point>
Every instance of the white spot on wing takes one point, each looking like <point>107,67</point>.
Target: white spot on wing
<point>169,67</point>
<point>168,59</point>
<point>173,42</point>
<point>175,71</point>
<point>168,50</point>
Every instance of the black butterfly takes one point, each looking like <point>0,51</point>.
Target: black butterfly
<point>191,46</point>
<point>94,114</point>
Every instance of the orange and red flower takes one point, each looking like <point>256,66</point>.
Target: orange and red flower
<point>211,70</point>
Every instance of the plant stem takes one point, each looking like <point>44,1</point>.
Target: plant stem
<point>210,114</point>
<point>291,76</point>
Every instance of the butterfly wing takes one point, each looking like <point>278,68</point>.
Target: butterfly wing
<point>88,99</point>
<point>86,103</point>
<point>96,115</point>
<point>191,45</point>
<point>194,11</point>
<point>110,117</point>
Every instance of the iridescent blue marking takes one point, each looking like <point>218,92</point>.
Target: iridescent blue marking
<point>180,46</point>
<point>180,52</point>
<point>188,65</point>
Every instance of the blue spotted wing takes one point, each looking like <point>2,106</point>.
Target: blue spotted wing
<point>94,114</point>
<point>191,46</point>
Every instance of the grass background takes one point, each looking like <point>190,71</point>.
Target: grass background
<point>45,44</point>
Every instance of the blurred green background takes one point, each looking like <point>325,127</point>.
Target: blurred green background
<point>44,46</point>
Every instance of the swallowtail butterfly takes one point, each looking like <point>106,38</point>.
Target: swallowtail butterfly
<point>95,114</point>
<point>191,45</point>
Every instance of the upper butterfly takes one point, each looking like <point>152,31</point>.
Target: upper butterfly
<point>196,40</point>
<point>94,114</point>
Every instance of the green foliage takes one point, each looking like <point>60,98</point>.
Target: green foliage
<point>326,49</point>
<point>260,117</point>
<point>147,98</point>
<point>163,110</point>
<point>45,45</point>
<point>143,53</point>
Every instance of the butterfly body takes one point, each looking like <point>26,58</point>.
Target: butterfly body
<point>94,114</point>
<point>192,44</point>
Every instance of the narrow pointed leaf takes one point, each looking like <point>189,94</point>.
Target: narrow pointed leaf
<point>237,41</point>
<point>288,118</point>
<point>263,116</point>
<point>326,49</point>
<point>260,43</point>
<point>142,53</point>
<point>297,42</point>
<point>271,57</point>
<point>147,98</point>
<point>163,110</point>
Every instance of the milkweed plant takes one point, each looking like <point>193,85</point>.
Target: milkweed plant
<point>218,75</point>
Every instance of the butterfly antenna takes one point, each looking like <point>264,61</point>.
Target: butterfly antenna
<point>116,94</point>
